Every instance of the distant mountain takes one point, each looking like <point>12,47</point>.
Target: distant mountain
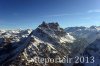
<point>89,33</point>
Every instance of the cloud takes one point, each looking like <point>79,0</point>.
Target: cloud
<point>59,15</point>
<point>66,14</point>
<point>94,11</point>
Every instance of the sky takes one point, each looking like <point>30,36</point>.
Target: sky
<point>28,14</point>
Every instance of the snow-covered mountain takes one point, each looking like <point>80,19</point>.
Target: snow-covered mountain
<point>48,40</point>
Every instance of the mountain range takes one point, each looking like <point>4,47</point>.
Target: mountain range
<point>49,40</point>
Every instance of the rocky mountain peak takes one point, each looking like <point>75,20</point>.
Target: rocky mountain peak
<point>53,25</point>
<point>51,29</point>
